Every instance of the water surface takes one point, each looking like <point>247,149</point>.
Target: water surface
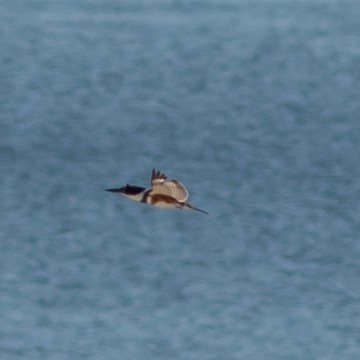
<point>254,105</point>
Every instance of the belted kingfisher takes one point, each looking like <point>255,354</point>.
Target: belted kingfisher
<point>164,193</point>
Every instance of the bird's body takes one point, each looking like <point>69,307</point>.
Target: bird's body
<point>164,193</point>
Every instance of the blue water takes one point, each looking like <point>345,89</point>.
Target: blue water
<point>254,105</point>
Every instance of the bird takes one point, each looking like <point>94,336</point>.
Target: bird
<point>164,193</point>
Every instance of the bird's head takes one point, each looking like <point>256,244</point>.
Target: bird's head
<point>130,191</point>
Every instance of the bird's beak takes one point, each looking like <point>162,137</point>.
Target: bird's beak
<point>117,190</point>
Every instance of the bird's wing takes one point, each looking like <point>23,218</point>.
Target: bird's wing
<point>161,185</point>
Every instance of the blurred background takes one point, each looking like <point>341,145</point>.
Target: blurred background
<point>253,105</point>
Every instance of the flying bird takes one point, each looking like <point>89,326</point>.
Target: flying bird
<point>164,193</point>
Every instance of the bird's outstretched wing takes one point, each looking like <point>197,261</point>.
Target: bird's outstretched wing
<point>161,185</point>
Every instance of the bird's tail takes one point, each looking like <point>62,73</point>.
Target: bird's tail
<point>194,208</point>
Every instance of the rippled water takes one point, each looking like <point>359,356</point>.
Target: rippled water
<point>254,105</point>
